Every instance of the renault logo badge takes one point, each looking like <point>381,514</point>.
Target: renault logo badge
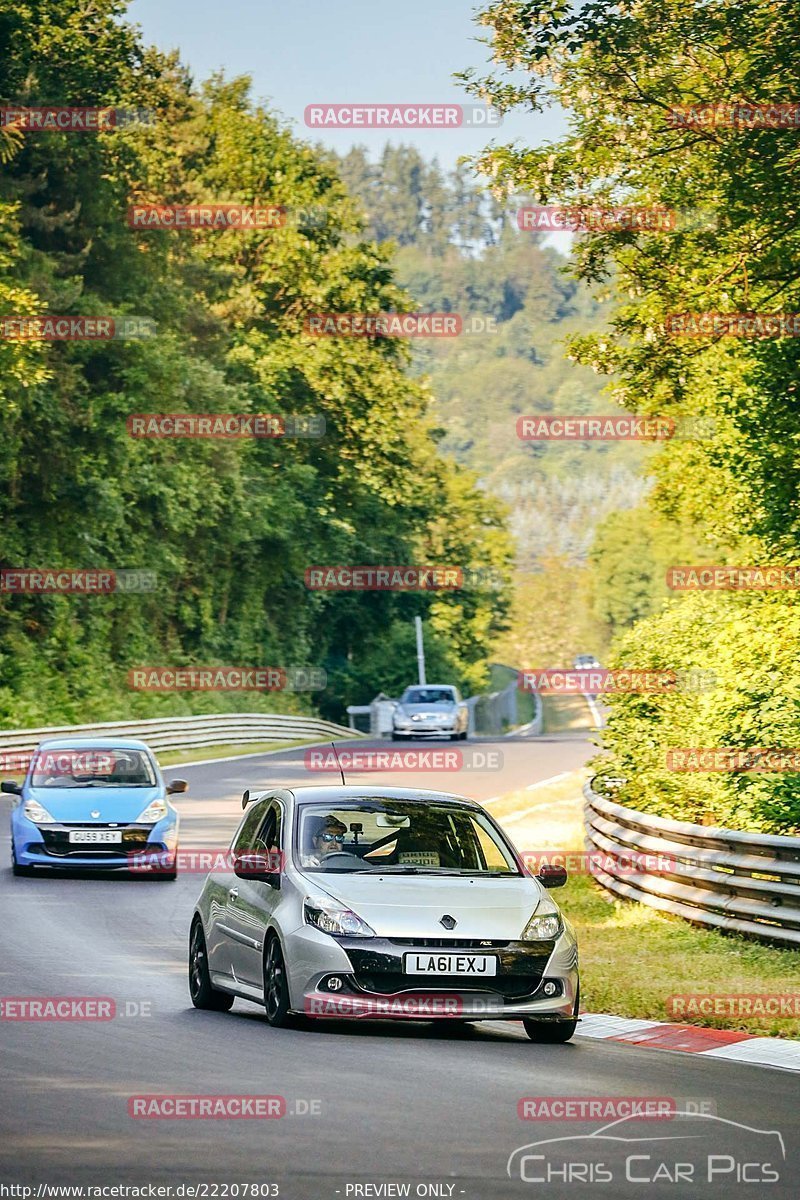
<point>448,921</point>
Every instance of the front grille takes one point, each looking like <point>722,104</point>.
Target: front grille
<point>57,843</point>
<point>510,987</point>
<point>449,943</point>
<point>377,966</point>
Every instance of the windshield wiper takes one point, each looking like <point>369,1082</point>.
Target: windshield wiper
<point>409,869</point>
<point>396,869</point>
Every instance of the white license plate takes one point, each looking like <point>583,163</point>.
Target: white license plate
<point>95,835</point>
<point>450,964</point>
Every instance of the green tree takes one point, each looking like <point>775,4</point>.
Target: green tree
<point>229,527</point>
<point>619,69</point>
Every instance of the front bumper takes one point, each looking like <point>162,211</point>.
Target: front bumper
<point>370,981</point>
<point>49,846</point>
<point>426,731</point>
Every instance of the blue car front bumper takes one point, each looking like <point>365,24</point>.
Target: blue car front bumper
<point>49,845</point>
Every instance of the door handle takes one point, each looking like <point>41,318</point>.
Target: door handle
<point>233,895</point>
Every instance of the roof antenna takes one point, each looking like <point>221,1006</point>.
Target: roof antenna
<point>339,765</point>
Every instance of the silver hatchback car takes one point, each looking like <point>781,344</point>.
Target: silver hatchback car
<point>430,710</point>
<point>382,902</point>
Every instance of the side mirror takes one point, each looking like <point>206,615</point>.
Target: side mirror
<point>8,785</point>
<point>264,867</point>
<point>177,785</point>
<point>552,876</point>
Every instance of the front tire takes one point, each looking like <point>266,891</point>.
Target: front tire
<point>276,985</point>
<point>549,1032</point>
<point>203,993</point>
<point>553,1033</point>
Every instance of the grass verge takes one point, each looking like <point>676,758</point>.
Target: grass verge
<point>633,959</point>
<point>171,758</point>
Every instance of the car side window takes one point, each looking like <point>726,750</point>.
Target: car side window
<point>270,832</point>
<point>244,838</point>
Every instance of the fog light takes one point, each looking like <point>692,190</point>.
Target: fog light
<point>334,983</point>
<point>550,988</point>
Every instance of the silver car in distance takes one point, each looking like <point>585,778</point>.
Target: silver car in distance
<point>350,901</point>
<point>433,710</point>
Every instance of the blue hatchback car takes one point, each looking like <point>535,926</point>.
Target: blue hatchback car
<point>94,802</point>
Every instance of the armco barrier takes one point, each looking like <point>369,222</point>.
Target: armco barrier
<point>184,733</point>
<point>745,883</point>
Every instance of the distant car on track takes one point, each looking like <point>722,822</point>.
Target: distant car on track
<point>382,902</point>
<point>430,710</point>
<point>93,802</point>
<point>586,662</point>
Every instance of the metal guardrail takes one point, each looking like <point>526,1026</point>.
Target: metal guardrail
<point>746,883</point>
<point>184,733</point>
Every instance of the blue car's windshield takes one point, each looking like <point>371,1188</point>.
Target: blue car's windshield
<point>92,767</point>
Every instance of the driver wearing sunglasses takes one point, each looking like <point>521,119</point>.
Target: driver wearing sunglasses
<point>327,837</point>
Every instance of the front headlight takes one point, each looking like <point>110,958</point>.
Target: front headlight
<point>543,928</point>
<point>332,917</point>
<point>154,812</point>
<point>34,812</point>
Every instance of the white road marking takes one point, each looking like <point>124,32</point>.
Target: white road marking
<point>544,782</point>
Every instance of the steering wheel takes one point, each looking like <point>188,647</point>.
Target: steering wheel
<point>346,855</point>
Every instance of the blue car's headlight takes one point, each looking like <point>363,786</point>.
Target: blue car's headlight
<point>154,812</point>
<point>34,812</point>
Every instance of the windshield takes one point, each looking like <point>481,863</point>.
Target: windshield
<point>402,836</point>
<point>422,695</point>
<point>92,767</point>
